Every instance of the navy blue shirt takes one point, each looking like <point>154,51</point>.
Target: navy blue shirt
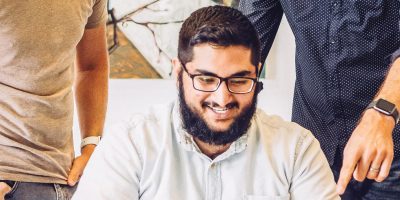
<point>343,52</point>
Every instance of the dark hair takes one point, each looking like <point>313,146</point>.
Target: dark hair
<point>220,26</point>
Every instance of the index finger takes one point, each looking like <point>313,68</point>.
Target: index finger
<point>346,172</point>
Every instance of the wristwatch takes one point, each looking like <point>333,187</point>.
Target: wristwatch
<point>90,140</point>
<point>385,107</point>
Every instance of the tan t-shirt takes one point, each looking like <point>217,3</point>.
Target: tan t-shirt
<point>37,52</point>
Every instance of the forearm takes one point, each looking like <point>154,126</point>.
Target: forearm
<point>91,81</point>
<point>391,86</point>
<point>91,92</point>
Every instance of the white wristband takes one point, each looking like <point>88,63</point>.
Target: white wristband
<point>90,140</point>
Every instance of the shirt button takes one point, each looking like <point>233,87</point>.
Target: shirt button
<point>212,165</point>
<point>333,42</point>
<point>335,4</point>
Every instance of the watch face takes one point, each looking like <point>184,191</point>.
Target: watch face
<point>385,106</point>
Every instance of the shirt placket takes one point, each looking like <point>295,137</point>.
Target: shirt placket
<point>333,71</point>
<point>333,30</point>
<point>213,182</point>
<point>336,120</point>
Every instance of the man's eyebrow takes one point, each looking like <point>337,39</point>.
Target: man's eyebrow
<point>240,73</point>
<point>205,72</point>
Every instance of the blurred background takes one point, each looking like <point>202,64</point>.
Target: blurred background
<point>143,37</point>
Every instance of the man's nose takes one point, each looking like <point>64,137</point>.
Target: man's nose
<point>222,96</point>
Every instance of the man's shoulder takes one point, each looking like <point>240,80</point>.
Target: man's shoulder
<point>276,122</point>
<point>277,129</point>
<point>152,116</point>
<point>285,141</point>
<point>145,127</point>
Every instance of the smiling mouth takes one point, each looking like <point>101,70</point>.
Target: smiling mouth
<point>219,110</point>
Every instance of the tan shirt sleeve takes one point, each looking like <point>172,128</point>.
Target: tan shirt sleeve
<point>99,14</point>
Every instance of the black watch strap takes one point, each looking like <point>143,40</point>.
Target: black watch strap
<point>385,107</point>
<point>396,116</point>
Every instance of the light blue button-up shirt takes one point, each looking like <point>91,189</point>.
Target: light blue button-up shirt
<point>152,157</point>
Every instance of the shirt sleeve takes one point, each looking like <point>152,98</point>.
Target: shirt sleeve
<point>266,16</point>
<point>113,171</point>
<point>99,14</point>
<point>312,177</point>
<point>395,55</point>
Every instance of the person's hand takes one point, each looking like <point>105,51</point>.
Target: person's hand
<point>369,151</point>
<point>79,164</point>
<point>4,189</point>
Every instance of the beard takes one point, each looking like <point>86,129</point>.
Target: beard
<point>196,126</point>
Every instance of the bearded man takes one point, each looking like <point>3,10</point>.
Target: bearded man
<point>212,143</point>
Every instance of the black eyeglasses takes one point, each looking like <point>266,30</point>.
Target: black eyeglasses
<point>211,83</point>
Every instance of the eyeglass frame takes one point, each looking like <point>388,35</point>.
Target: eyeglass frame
<point>221,79</point>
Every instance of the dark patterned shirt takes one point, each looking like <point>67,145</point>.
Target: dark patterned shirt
<point>343,52</point>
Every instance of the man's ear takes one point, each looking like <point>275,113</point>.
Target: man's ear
<point>176,68</point>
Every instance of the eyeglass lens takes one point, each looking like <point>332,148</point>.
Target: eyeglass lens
<point>210,83</point>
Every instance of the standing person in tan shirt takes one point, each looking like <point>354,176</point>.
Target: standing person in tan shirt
<point>46,49</point>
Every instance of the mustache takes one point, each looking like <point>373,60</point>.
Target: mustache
<point>214,104</point>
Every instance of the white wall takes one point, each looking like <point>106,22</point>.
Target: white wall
<point>280,65</point>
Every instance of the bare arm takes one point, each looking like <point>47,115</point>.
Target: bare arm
<point>371,143</point>
<point>91,91</point>
<point>391,86</point>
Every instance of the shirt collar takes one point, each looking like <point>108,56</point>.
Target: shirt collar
<point>187,141</point>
